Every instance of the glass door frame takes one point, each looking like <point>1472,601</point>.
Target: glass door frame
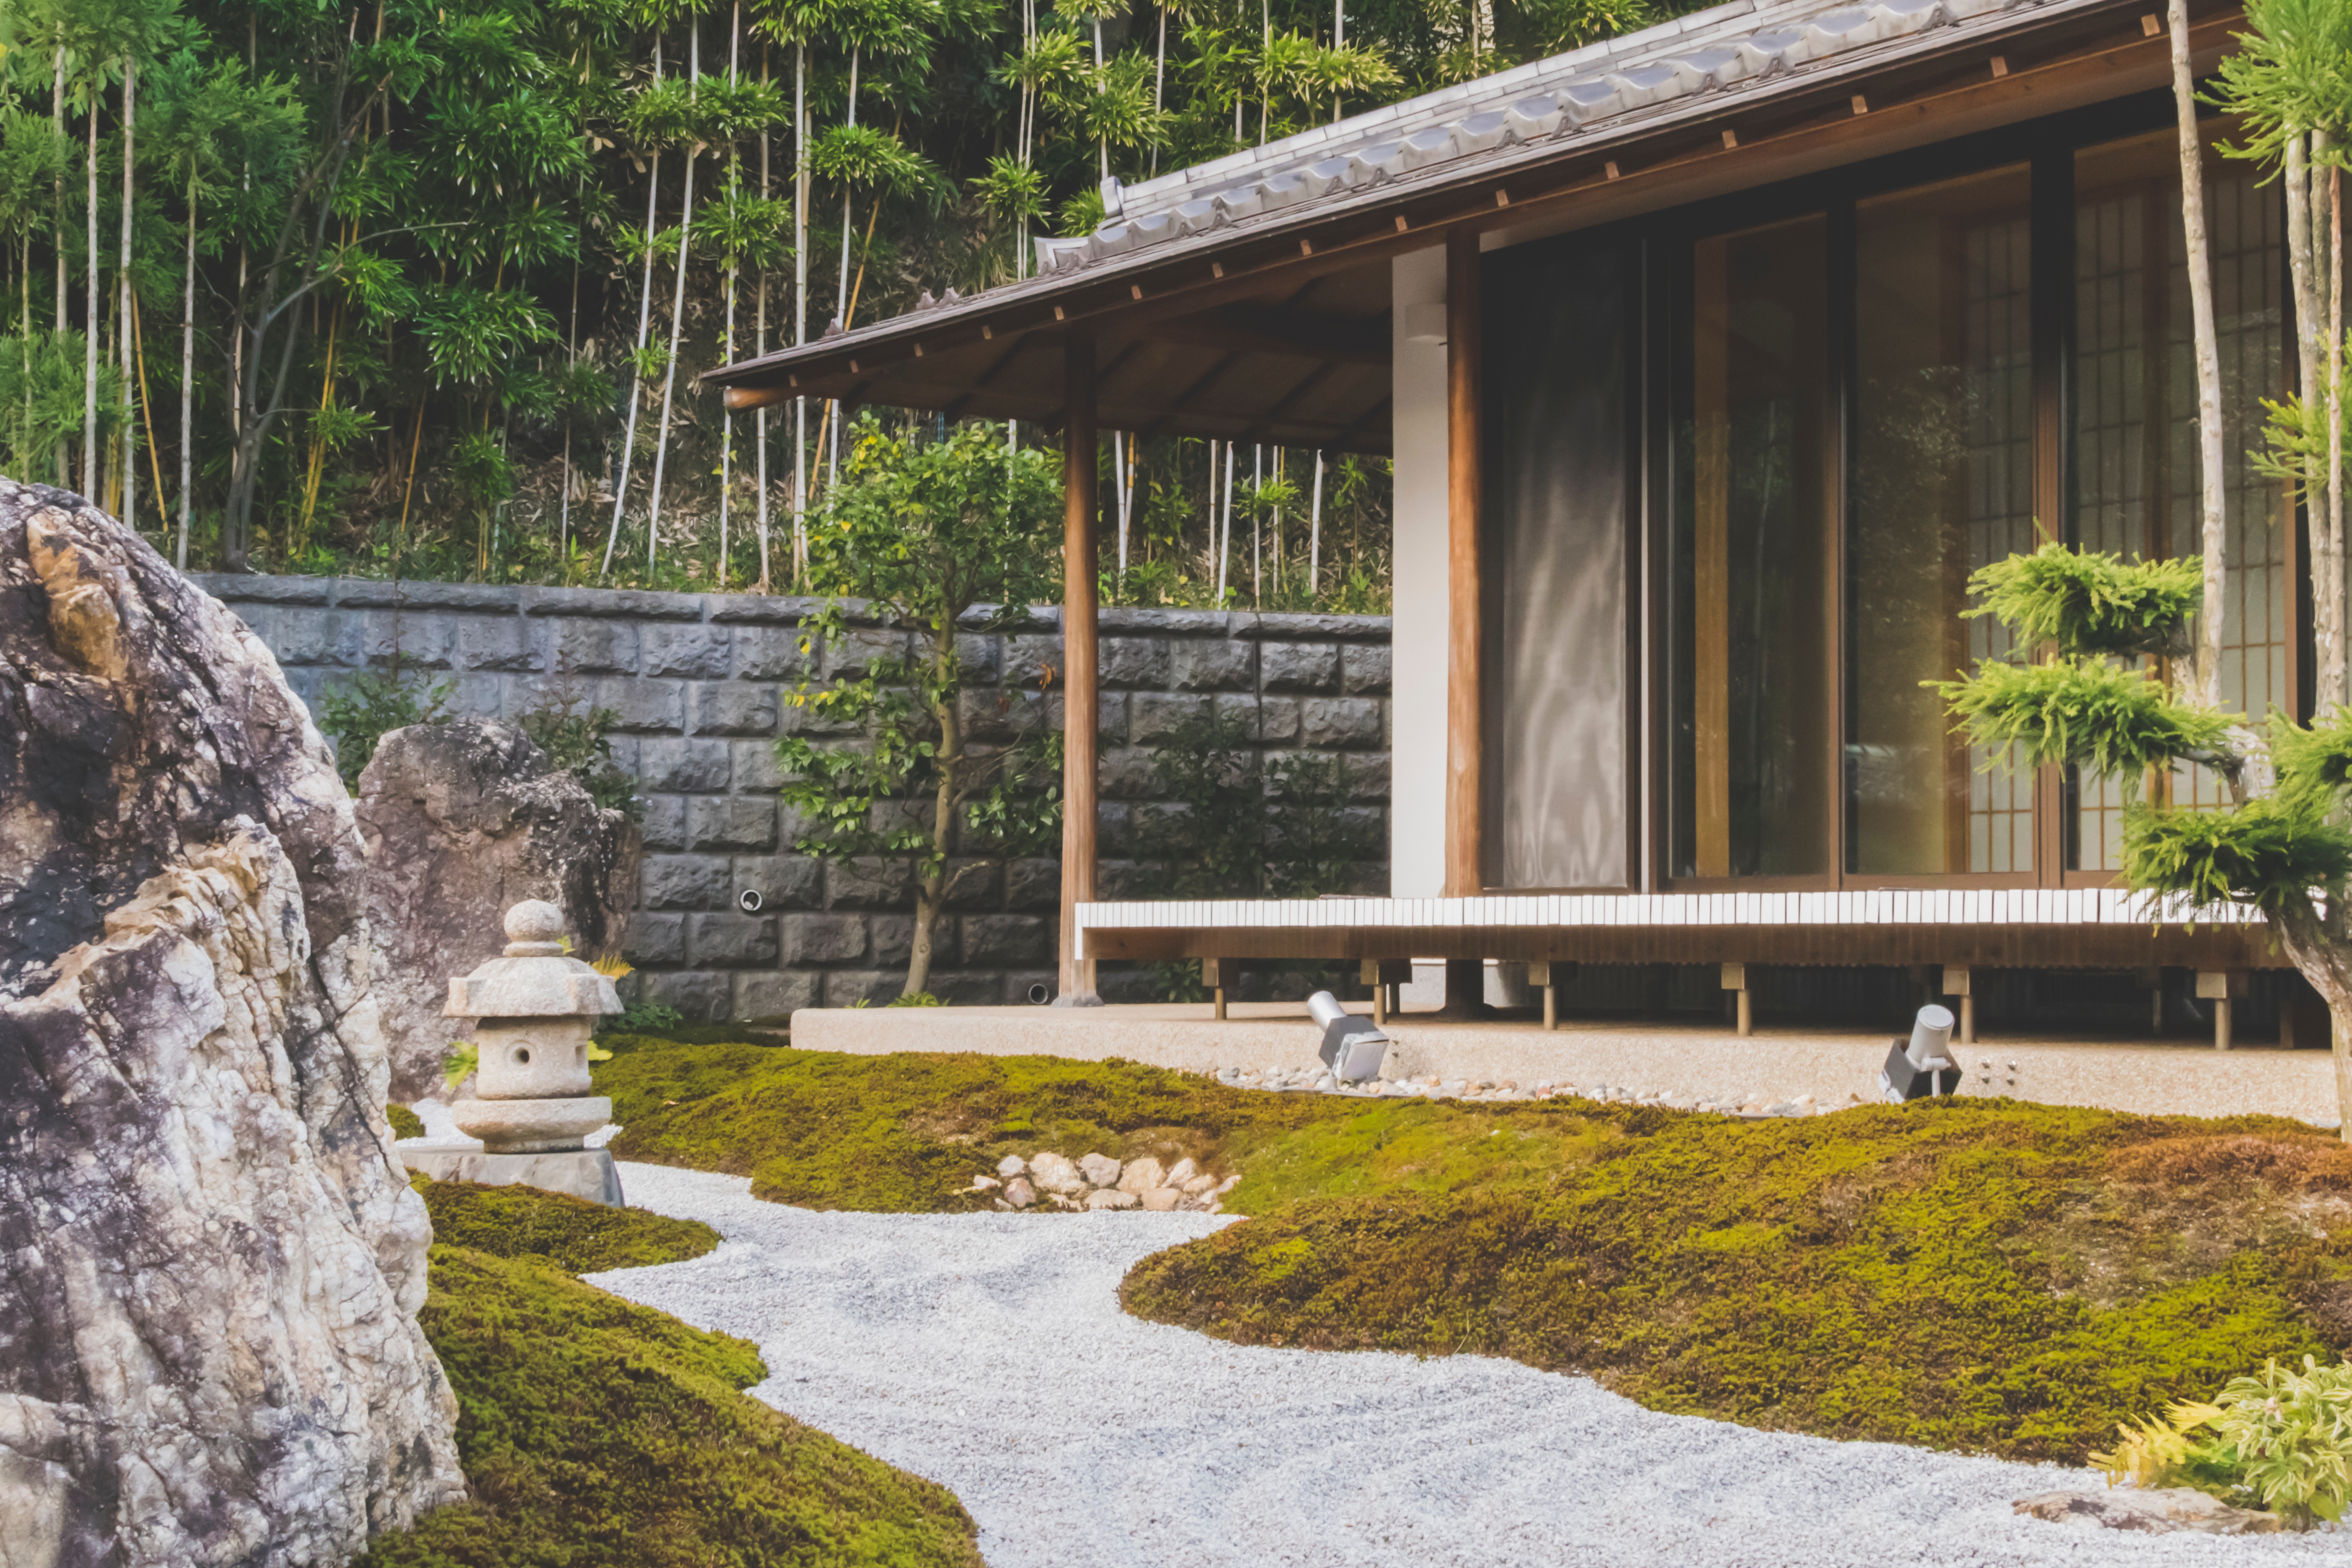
<point>2048,147</point>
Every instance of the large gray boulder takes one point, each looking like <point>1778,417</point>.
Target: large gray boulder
<point>462,821</point>
<point>209,1351</point>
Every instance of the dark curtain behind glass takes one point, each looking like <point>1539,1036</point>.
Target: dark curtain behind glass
<point>1559,325</point>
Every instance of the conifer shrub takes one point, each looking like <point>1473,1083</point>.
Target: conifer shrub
<point>404,1122</point>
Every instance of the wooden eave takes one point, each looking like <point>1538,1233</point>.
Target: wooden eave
<point>1275,328</point>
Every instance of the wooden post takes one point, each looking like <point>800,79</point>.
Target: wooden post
<point>1541,974</point>
<point>1956,984</point>
<point>1212,975</point>
<point>1735,979</point>
<point>1464,737</point>
<point>2219,986</point>
<point>1080,580</point>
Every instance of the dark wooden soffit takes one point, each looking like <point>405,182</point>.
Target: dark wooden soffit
<point>1987,947</point>
<point>1230,352</point>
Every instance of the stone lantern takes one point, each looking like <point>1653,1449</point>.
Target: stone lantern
<point>535,1009</point>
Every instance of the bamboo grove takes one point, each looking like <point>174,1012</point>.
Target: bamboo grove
<point>417,288</point>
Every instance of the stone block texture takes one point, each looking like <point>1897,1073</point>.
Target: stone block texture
<point>703,684</point>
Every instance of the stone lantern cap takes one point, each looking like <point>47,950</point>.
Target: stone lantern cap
<point>536,979</point>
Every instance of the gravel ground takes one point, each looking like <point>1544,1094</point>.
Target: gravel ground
<point>988,1352</point>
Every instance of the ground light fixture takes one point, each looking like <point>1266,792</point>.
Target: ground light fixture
<point>1352,1047</point>
<point>1923,1066</point>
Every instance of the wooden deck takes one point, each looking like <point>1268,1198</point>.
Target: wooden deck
<point>2086,928</point>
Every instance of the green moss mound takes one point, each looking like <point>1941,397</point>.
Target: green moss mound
<point>1976,1275</point>
<point>595,1432</point>
<point>404,1121</point>
<point>905,1133</point>
<point>576,1235</point>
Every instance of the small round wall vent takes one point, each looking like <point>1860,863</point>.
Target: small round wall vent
<point>749,901</point>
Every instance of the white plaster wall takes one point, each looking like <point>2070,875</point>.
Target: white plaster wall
<point>1417,742</point>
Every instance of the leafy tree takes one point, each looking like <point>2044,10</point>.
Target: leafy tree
<point>2280,846</point>
<point>932,540</point>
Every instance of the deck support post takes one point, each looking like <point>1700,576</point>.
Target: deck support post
<point>2221,986</point>
<point>1549,975</point>
<point>1956,984</point>
<point>1735,979</point>
<point>1080,588</point>
<point>1387,977</point>
<point>1213,974</point>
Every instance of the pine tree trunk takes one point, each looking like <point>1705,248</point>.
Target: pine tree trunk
<point>2213,475</point>
<point>2304,268</point>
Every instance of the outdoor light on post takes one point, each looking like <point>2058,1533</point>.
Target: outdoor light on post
<point>1923,1066</point>
<point>1352,1048</point>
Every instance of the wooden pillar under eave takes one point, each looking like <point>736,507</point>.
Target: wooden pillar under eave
<point>1464,736</point>
<point>1466,978</point>
<point>1080,584</point>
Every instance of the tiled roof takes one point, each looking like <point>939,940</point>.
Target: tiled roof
<point>1722,48</point>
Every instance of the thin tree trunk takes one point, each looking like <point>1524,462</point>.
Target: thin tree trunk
<point>676,316</point>
<point>2333,558</point>
<point>725,418</point>
<point>759,341</point>
<point>1159,79</point>
<point>57,119</point>
<point>1126,494</point>
<point>128,301</point>
<point>931,887</point>
<point>1225,549</point>
<point>800,307</point>
<point>1315,533</point>
<point>2303,271</point>
<point>637,361</point>
<point>2212,477</point>
<point>188,375</point>
<point>89,477</point>
<point>841,301</point>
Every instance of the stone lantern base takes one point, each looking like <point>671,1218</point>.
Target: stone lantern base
<point>582,1173</point>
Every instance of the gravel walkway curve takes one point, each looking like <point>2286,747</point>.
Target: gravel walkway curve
<point>988,1352</point>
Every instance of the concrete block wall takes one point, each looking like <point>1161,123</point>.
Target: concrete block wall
<point>701,683</point>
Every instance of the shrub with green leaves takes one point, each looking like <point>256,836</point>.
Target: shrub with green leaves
<point>365,706</point>
<point>2289,1437</point>
<point>2280,844</point>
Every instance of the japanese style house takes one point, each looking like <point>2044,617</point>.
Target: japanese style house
<point>1712,361</point>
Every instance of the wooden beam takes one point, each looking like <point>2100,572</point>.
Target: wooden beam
<point>1464,737</point>
<point>1280,330</point>
<point>1080,586</point>
<point>1315,377</point>
<point>995,368</point>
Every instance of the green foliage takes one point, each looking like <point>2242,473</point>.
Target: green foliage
<point>2265,852</point>
<point>363,707</point>
<point>1982,1276</point>
<point>1237,830</point>
<point>595,1431</point>
<point>458,1060</point>
<point>2289,72</point>
<point>2109,718</point>
<point>2161,1451</point>
<point>639,1017</point>
<point>576,735</point>
<point>937,537</point>
<point>576,1235</point>
<point>404,1121</point>
<point>2088,603</point>
<point>2289,1436</point>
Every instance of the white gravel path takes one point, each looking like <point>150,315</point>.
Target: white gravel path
<point>988,1352</point>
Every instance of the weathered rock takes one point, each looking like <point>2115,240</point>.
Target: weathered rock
<point>462,821</point>
<point>1056,1173</point>
<point>1011,1165</point>
<point>1019,1193</point>
<point>1111,1198</point>
<point>1161,1200</point>
<point>1199,1185</point>
<point>208,1344</point>
<point>1182,1171</point>
<point>1100,1170</point>
<point>1140,1176</point>
<point>2159,1511</point>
